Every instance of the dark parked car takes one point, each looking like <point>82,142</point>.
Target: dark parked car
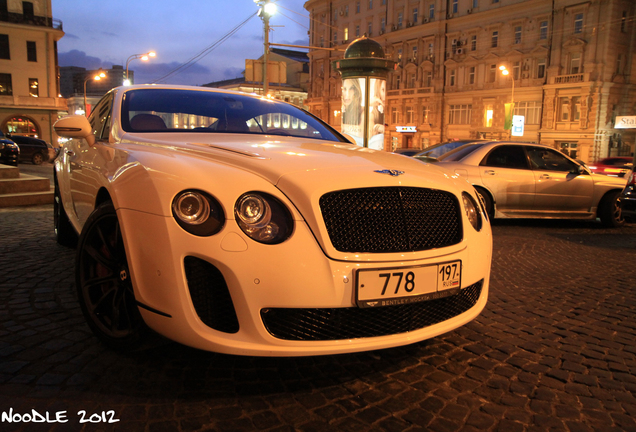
<point>31,149</point>
<point>627,199</point>
<point>9,151</point>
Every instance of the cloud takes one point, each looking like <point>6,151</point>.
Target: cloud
<point>80,59</point>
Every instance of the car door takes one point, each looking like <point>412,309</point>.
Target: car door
<point>506,173</point>
<point>82,160</point>
<point>560,186</point>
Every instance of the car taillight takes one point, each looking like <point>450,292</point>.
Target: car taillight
<point>632,179</point>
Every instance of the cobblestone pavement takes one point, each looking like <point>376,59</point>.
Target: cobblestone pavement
<point>554,350</point>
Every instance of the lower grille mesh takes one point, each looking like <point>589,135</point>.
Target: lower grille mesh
<point>210,295</point>
<point>352,323</point>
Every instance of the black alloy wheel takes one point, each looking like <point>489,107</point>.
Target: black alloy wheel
<point>37,159</point>
<point>610,212</point>
<point>103,280</point>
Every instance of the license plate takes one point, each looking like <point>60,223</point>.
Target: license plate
<point>403,285</point>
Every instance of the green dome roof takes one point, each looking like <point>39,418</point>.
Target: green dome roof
<point>364,48</point>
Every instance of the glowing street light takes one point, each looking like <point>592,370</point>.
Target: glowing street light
<point>142,57</point>
<point>506,72</point>
<point>101,74</point>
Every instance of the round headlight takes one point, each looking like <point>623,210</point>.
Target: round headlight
<point>472,211</point>
<point>263,218</point>
<point>253,210</point>
<point>191,207</point>
<point>198,213</point>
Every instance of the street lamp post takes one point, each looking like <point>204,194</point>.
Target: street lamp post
<point>95,77</point>
<point>505,72</point>
<point>143,57</point>
<point>266,10</point>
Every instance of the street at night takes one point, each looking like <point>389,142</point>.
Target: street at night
<point>553,350</point>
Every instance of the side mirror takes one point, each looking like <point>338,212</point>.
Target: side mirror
<point>75,126</point>
<point>578,170</point>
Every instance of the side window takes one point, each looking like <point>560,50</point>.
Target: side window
<point>100,117</point>
<point>506,157</point>
<point>549,160</point>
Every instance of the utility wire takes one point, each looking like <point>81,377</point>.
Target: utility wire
<point>204,52</point>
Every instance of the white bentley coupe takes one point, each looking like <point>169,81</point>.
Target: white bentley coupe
<point>244,225</point>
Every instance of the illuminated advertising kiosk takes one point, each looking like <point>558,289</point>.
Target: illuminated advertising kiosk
<point>364,70</point>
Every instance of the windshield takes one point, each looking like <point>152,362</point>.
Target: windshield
<point>176,110</point>
<point>459,153</point>
<point>437,150</point>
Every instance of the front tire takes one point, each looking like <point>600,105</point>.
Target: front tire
<point>610,212</point>
<point>104,285</point>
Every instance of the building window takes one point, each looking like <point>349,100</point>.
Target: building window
<point>27,10</point>
<point>346,10</point>
<point>357,31</point>
<point>576,108</point>
<point>346,33</point>
<point>619,64</point>
<point>516,70</point>
<point>399,55</point>
<point>495,39</point>
<point>5,53</point>
<point>383,25</point>
<point>575,63</point>
<point>398,81</point>
<point>578,23</point>
<point>431,51</point>
<point>369,29</point>
<point>488,116</point>
<point>431,11</point>
<point>425,113</point>
<point>495,1</point>
<point>624,22</point>
<point>569,149</point>
<point>451,77</point>
<point>492,73</point>
<point>370,4</point>
<point>410,115</point>
<point>541,64</point>
<point>471,75</point>
<point>395,115</point>
<point>32,53</point>
<point>428,79</point>
<point>473,43</point>
<point>459,114</point>
<point>564,109</point>
<point>400,20</point>
<point>475,4</point>
<point>530,110</point>
<point>517,35</point>
<point>414,15</point>
<point>335,15</point>
<point>335,37</point>
<point>455,6</point>
<point>6,89</point>
<point>34,87</point>
<point>357,7</point>
<point>414,53</point>
<point>543,30</point>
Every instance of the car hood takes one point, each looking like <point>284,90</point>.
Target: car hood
<point>278,158</point>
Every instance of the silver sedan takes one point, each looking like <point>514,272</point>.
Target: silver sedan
<point>522,180</point>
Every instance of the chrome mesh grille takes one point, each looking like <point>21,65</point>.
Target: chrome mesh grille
<point>391,219</point>
<point>351,323</point>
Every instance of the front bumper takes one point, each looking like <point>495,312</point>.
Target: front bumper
<point>275,287</point>
<point>627,202</point>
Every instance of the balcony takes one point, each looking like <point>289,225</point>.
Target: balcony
<point>570,79</point>
<point>18,18</point>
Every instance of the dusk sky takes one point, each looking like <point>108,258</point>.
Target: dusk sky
<point>100,34</point>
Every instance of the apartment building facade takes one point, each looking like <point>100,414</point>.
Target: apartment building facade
<point>570,62</point>
<point>29,85</point>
